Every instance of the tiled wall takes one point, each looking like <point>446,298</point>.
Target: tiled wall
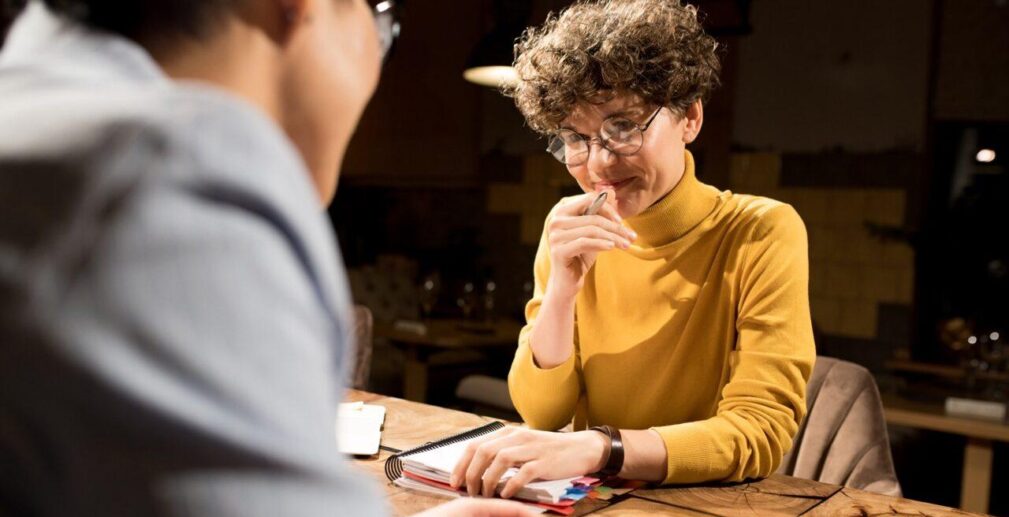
<point>861,286</point>
<point>853,274</point>
<point>544,182</point>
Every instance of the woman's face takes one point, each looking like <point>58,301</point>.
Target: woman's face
<point>639,180</point>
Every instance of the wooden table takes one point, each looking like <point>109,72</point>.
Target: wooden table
<point>443,335</point>
<point>410,423</point>
<point>975,483</point>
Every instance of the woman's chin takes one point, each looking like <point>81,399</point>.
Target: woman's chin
<point>627,208</point>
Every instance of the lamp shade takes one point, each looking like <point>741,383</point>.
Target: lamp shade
<point>490,62</point>
<point>495,76</point>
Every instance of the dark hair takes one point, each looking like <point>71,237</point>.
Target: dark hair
<point>655,49</point>
<point>140,19</point>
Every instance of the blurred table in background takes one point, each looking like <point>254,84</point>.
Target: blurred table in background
<point>980,434</point>
<point>421,340</point>
<point>945,371</point>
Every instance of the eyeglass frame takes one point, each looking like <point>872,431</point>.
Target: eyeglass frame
<point>387,33</point>
<point>602,142</point>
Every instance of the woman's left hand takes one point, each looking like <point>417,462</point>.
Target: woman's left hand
<point>537,454</point>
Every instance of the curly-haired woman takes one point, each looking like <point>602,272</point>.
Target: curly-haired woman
<point>677,319</point>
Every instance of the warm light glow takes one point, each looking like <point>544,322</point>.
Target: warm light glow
<point>493,76</point>
<point>972,340</point>
<point>985,156</point>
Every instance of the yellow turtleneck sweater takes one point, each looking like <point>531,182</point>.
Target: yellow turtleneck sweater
<point>701,331</point>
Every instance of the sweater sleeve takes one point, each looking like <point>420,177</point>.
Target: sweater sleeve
<point>545,397</point>
<point>763,402</point>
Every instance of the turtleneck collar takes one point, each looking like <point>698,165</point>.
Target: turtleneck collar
<point>678,212</point>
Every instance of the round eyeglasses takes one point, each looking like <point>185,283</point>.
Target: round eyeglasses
<point>387,23</point>
<point>618,134</point>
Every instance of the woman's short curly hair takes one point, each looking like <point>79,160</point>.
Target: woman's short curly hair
<point>655,49</point>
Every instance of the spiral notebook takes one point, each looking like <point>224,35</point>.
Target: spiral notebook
<point>427,469</point>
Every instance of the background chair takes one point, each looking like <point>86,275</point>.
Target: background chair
<point>486,395</point>
<point>843,439</point>
<point>363,324</point>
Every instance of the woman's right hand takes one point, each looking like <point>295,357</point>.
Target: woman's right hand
<point>576,239</point>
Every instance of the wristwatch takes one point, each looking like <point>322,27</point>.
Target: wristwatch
<point>615,461</point>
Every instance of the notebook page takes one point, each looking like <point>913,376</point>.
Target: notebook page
<point>442,458</point>
<point>442,461</point>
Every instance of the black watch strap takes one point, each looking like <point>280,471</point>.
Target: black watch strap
<point>615,461</point>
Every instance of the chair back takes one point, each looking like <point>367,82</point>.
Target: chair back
<point>843,439</point>
<point>363,344</point>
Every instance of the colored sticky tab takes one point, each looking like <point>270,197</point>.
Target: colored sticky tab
<point>604,493</point>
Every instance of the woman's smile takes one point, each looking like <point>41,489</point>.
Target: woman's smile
<point>613,184</point>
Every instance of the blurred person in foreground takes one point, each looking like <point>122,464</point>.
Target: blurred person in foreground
<point>173,309</point>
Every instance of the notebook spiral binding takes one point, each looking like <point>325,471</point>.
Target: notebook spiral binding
<point>394,465</point>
